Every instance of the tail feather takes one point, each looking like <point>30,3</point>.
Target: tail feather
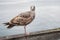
<point>10,26</point>
<point>6,23</point>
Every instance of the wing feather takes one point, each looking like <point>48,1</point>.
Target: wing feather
<point>21,19</point>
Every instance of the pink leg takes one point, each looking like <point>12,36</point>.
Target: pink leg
<point>25,32</point>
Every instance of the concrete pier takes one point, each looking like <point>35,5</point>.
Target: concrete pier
<point>52,34</point>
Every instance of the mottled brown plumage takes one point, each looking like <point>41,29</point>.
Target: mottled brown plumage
<point>22,19</point>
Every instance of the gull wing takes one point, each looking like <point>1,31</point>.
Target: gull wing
<point>21,18</point>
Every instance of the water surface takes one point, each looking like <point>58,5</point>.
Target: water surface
<point>47,16</point>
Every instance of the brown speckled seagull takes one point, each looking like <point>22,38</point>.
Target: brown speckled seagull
<point>22,19</point>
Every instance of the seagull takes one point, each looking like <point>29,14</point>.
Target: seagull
<point>23,19</point>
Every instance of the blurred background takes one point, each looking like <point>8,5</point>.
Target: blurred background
<point>47,15</point>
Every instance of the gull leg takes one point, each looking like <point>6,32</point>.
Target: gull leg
<point>25,32</point>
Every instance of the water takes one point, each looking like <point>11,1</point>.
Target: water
<point>47,16</point>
